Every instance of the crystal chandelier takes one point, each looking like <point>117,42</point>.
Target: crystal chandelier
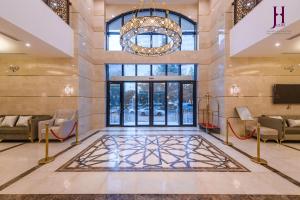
<point>151,25</point>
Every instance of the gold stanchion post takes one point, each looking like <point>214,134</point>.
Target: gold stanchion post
<point>258,159</point>
<point>77,142</point>
<point>47,159</point>
<point>227,134</point>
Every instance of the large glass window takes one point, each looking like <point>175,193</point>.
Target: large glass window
<point>188,70</point>
<point>143,70</point>
<point>158,40</point>
<point>189,39</point>
<point>114,70</point>
<point>114,42</point>
<point>158,70</point>
<point>117,70</point>
<point>188,42</point>
<point>129,70</point>
<point>173,70</point>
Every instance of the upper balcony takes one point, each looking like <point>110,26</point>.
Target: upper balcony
<point>265,28</point>
<point>243,7</point>
<point>31,27</point>
<point>61,8</point>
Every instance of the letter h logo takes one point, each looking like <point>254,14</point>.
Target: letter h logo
<point>276,14</point>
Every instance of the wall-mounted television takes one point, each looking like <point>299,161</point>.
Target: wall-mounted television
<point>286,94</point>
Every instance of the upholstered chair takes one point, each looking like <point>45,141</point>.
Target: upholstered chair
<point>61,126</point>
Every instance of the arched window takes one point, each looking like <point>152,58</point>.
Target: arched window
<point>189,31</point>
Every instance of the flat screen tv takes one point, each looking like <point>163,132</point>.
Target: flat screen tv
<point>286,94</point>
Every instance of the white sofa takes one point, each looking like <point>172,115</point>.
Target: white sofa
<point>61,126</point>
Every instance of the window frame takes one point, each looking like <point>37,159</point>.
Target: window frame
<point>151,69</point>
<point>152,11</point>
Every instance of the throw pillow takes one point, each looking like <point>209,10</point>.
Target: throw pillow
<point>276,117</point>
<point>23,120</point>
<point>294,123</point>
<point>9,121</point>
<point>1,119</point>
<point>58,122</point>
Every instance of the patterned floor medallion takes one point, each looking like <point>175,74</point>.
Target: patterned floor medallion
<point>152,153</point>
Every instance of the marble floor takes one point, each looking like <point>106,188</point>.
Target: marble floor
<point>20,174</point>
<point>280,157</point>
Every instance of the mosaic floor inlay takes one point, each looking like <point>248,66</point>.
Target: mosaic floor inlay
<point>152,153</point>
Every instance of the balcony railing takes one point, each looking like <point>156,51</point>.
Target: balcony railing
<point>61,8</point>
<point>243,7</point>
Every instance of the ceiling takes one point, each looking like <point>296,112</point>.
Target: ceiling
<point>289,44</point>
<point>10,45</point>
<point>13,40</point>
<point>134,2</point>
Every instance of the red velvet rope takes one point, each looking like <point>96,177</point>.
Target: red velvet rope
<point>69,135</point>
<point>240,137</point>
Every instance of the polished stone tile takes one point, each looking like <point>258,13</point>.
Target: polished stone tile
<point>282,158</point>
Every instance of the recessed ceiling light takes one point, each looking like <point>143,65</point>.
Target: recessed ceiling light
<point>112,16</point>
<point>28,45</point>
<point>277,44</point>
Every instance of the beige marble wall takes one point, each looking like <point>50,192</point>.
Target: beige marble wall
<point>38,87</point>
<point>91,81</point>
<point>254,76</point>
<point>212,37</point>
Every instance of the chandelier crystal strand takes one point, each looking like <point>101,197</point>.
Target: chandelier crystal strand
<point>153,25</point>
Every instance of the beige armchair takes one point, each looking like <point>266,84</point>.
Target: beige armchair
<point>61,126</point>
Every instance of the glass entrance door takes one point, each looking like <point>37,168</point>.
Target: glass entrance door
<point>159,104</point>
<point>173,104</point>
<point>164,103</point>
<point>187,104</point>
<point>143,105</point>
<point>129,104</point>
<point>115,104</point>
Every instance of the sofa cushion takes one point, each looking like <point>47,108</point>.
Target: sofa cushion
<point>276,117</point>
<point>23,121</point>
<point>9,121</point>
<point>292,130</point>
<point>14,130</point>
<point>59,122</point>
<point>55,129</point>
<point>293,123</point>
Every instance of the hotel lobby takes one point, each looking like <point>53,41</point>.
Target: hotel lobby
<point>150,99</point>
